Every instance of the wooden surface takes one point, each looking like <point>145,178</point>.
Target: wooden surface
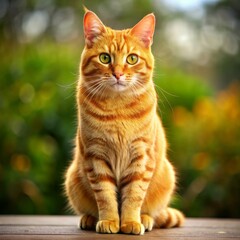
<point>65,227</point>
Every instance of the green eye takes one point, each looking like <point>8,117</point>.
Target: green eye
<point>105,58</point>
<point>132,59</point>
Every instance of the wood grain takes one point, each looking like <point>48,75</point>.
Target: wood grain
<point>65,227</point>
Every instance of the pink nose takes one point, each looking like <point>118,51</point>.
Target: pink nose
<point>117,75</point>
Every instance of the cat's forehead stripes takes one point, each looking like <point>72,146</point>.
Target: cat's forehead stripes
<point>118,44</point>
<point>118,41</point>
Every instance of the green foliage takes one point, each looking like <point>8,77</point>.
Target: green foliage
<point>206,147</point>
<point>37,125</point>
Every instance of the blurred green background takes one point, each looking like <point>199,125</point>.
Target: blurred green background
<point>196,47</point>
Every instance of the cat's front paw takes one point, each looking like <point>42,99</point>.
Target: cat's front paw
<point>133,228</point>
<point>87,222</point>
<point>106,226</point>
<point>147,222</point>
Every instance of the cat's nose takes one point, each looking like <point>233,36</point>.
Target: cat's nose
<point>117,75</point>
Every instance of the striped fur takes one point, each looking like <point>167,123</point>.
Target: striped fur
<point>120,178</point>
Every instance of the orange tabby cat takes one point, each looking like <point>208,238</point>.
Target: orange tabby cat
<point>120,179</point>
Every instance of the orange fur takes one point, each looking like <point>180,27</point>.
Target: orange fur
<point>120,178</point>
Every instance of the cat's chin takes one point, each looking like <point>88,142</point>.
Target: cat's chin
<point>119,87</point>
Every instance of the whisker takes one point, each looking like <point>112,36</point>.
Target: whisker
<point>104,87</point>
<point>151,95</point>
<point>93,90</point>
<point>161,89</point>
<point>97,87</point>
<point>70,85</point>
<point>67,87</point>
<point>163,92</point>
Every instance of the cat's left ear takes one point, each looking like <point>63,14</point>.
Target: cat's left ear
<point>144,30</point>
<point>93,27</point>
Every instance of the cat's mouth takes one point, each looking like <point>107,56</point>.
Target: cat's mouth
<point>119,86</point>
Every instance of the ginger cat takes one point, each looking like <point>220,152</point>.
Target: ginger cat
<point>120,179</point>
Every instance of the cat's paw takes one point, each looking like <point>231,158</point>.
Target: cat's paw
<point>133,228</point>
<point>147,222</point>
<point>87,222</point>
<point>106,226</point>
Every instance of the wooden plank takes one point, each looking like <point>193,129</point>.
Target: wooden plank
<point>38,220</point>
<point>65,227</point>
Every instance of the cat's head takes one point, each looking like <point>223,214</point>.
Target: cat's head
<point>117,61</point>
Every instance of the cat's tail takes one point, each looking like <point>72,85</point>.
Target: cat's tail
<point>168,218</point>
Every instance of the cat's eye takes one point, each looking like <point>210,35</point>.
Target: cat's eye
<point>105,58</point>
<point>132,59</point>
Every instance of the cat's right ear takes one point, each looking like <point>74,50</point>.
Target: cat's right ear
<point>144,30</point>
<point>93,27</point>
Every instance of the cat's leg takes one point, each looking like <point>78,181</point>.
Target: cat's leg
<point>130,220</point>
<point>134,185</point>
<point>103,185</point>
<point>132,199</point>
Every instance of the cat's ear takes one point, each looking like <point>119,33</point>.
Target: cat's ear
<point>144,30</point>
<point>93,27</point>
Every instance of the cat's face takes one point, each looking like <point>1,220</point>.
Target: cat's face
<point>117,61</point>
